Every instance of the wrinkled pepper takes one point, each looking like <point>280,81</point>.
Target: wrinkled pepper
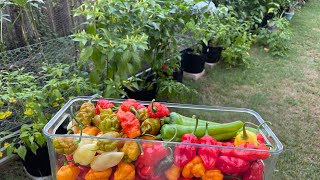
<point>194,168</point>
<point>219,132</point>
<point>130,105</point>
<point>64,145</point>
<point>228,151</point>
<point>108,145</point>
<point>255,172</point>
<point>125,171</point>
<point>91,130</point>
<point>183,154</point>
<point>214,174</point>
<point>157,110</point>
<point>107,113</point>
<point>208,155</point>
<point>173,173</point>
<point>245,136</point>
<point>150,126</point>
<point>131,151</point>
<point>96,120</point>
<point>108,125</point>
<point>103,104</point>
<point>260,138</point>
<point>86,113</point>
<point>85,154</point>
<point>68,172</point>
<point>142,114</point>
<point>129,123</point>
<point>251,155</point>
<point>106,160</point>
<point>148,160</point>
<point>98,175</point>
<point>232,165</point>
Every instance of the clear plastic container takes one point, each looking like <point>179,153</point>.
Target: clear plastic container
<point>56,128</point>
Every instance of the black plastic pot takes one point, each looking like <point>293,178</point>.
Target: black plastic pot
<point>178,75</point>
<point>214,54</point>
<point>37,165</point>
<point>192,63</point>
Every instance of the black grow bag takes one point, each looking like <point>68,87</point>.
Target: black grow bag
<point>37,165</point>
<point>192,63</point>
<point>214,54</point>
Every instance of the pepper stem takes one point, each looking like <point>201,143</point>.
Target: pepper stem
<point>175,134</point>
<point>94,96</point>
<point>133,109</point>
<point>154,108</point>
<point>81,126</point>
<point>195,128</point>
<point>244,134</point>
<point>141,150</point>
<point>207,124</point>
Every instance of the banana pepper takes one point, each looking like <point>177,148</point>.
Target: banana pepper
<point>85,154</point>
<point>125,171</point>
<point>106,160</point>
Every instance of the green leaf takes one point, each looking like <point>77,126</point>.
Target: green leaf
<point>94,77</point>
<point>10,150</point>
<point>22,151</point>
<point>34,148</point>
<point>20,3</point>
<point>86,53</point>
<point>91,30</point>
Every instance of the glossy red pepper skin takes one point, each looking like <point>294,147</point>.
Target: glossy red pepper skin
<point>208,155</point>
<point>103,104</point>
<point>185,153</point>
<point>127,104</point>
<point>129,123</point>
<point>251,155</point>
<point>158,110</point>
<point>226,151</point>
<point>255,172</point>
<point>147,162</point>
<point>260,138</point>
<point>232,165</point>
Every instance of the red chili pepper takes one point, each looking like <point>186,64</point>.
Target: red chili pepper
<point>127,104</point>
<point>157,110</point>
<point>251,155</point>
<point>140,106</point>
<point>208,155</point>
<point>129,123</point>
<point>260,138</point>
<point>185,153</point>
<point>148,160</point>
<point>226,151</point>
<point>103,104</point>
<point>232,165</point>
<point>255,172</point>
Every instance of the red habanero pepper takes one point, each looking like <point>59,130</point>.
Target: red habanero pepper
<point>232,165</point>
<point>129,123</point>
<point>226,151</point>
<point>260,138</point>
<point>185,153</point>
<point>103,104</point>
<point>149,159</point>
<point>157,110</point>
<point>127,104</point>
<point>208,155</point>
<point>251,155</point>
<point>255,172</point>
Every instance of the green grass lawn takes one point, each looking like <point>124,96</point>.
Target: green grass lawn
<point>285,91</point>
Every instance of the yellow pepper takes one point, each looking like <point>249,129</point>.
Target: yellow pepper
<point>246,136</point>
<point>194,168</point>
<point>86,113</point>
<point>173,173</point>
<point>64,145</point>
<point>106,160</point>
<point>214,174</point>
<point>131,151</point>
<point>125,171</point>
<point>68,172</point>
<point>98,175</point>
<point>85,154</point>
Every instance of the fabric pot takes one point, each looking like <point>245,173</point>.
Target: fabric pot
<point>178,75</point>
<point>192,63</point>
<point>37,165</point>
<point>214,54</point>
<point>289,15</point>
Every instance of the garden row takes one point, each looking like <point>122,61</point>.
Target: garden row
<point>123,38</point>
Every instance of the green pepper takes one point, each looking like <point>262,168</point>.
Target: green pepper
<point>220,132</point>
<point>109,145</point>
<point>176,118</point>
<point>108,125</point>
<point>142,114</point>
<point>150,126</point>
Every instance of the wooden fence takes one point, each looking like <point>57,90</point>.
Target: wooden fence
<point>30,24</point>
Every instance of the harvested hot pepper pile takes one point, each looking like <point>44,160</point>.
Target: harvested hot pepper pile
<point>212,157</point>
